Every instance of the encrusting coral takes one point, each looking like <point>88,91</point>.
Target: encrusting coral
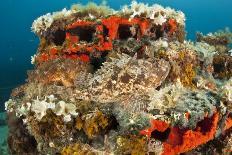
<point>78,149</point>
<point>131,144</point>
<point>92,123</point>
<point>123,82</point>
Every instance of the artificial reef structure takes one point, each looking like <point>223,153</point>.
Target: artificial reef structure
<point>123,82</point>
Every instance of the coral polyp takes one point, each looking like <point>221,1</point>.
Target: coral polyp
<point>123,82</point>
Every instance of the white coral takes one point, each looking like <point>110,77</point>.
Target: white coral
<point>226,90</point>
<point>157,9</point>
<point>157,13</point>
<point>205,51</point>
<point>63,13</point>
<point>155,146</point>
<point>160,44</point>
<point>40,107</point>
<point>166,97</point>
<point>23,110</point>
<point>138,8</point>
<point>178,15</point>
<point>9,105</point>
<point>42,23</point>
<point>33,59</point>
<point>230,52</point>
<point>160,20</point>
<point>66,110</point>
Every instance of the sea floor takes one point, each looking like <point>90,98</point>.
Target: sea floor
<point>3,134</point>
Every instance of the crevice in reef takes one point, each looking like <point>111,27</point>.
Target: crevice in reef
<point>156,32</point>
<point>97,62</point>
<point>58,37</point>
<point>161,136</point>
<point>205,125</point>
<point>105,33</point>
<point>84,33</point>
<point>125,32</point>
<point>113,123</point>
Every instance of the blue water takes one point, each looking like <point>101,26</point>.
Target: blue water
<point>18,43</point>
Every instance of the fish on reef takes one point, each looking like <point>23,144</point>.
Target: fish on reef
<point>125,76</point>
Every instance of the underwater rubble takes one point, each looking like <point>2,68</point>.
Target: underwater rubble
<point>123,82</point>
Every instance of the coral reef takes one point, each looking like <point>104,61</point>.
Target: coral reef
<point>221,40</point>
<point>123,82</point>
<point>78,149</point>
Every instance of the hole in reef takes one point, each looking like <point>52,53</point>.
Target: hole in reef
<point>105,32</point>
<point>85,33</point>
<point>58,37</point>
<point>113,123</point>
<point>205,125</point>
<point>162,136</point>
<point>230,115</point>
<point>156,32</point>
<point>124,32</point>
<point>218,67</point>
<point>97,61</point>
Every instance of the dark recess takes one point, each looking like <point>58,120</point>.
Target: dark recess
<point>85,33</point>
<point>105,32</point>
<point>156,32</point>
<point>58,37</point>
<point>97,62</point>
<point>205,125</point>
<point>218,67</point>
<point>162,136</point>
<point>124,32</point>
